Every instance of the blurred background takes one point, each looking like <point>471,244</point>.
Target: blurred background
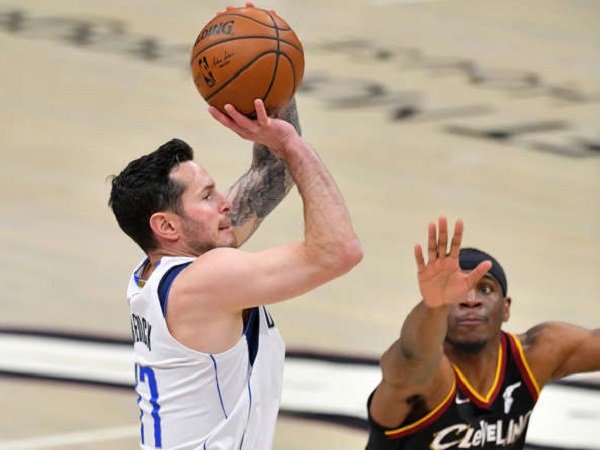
<point>482,110</point>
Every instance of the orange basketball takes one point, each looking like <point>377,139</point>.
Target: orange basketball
<point>247,53</point>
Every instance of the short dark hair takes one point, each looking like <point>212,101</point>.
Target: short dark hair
<point>144,187</point>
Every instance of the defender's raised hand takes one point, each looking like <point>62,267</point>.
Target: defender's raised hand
<point>441,280</point>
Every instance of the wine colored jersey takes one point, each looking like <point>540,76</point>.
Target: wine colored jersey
<point>466,419</point>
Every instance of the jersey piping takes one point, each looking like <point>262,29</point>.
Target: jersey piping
<point>431,417</point>
<point>523,366</point>
<point>462,382</point>
<point>490,397</point>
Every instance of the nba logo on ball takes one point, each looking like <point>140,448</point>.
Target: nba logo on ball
<point>244,54</point>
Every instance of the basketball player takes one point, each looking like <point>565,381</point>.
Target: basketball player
<point>454,379</point>
<point>208,357</point>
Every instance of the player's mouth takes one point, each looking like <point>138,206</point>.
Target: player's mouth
<point>471,320</point>
<point>225,226</point>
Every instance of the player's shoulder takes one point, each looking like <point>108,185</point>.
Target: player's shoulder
<point>219,254</point>
<point>201,283</point>
<point>546,335</point>
<point>545,345</point>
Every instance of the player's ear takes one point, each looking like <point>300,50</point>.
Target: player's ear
<point>506,309</point>
<point>163,225</point>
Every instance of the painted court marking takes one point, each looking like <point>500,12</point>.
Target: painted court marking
<point>402,2</point>
<point>70,439</point>
<point>326,387</point>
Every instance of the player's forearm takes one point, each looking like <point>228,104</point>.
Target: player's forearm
<point>268,180</point>
<point>256,194</point>
<point>424,331</point>
<point>420,348</point>
<point>260,189</point>
<point>329,235</point>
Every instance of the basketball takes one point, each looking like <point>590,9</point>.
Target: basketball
<point>244,54</point>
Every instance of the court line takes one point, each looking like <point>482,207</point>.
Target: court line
<point>401,2</point>
<point>315,386</point>
<point>70,439</point>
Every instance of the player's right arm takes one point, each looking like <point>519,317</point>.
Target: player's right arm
<point>557,349</point>
<point>330,246</point>
<point>415,365</point>
<point>220,283</point>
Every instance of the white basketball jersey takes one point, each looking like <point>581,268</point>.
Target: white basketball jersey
<point>191,400</point>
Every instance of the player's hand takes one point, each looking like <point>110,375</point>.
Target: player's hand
<point>248,5</point>
<point>441,280</point>
<point>269,131</point>
<point>230,7</point>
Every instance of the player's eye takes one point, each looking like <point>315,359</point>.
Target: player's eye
<point>485,288</point>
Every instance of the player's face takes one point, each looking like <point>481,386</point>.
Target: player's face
<point>478,317</point>
<point>204,220</point>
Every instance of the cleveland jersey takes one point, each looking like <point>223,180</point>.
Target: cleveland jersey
<point>465,418</point>
<point>191,400</point>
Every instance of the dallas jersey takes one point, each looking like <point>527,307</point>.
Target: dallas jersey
<point>466,419</point>
<point>191,400</point>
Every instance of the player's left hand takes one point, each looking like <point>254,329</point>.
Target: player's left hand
<point>441,280</point>
<point>230,7</point>
<point>269,131</point>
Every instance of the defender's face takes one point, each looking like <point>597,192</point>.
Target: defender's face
<point>204,221</point>
<point>479,316</point>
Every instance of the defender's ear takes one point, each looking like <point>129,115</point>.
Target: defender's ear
<point>506,309</point>
<point>164,226</point>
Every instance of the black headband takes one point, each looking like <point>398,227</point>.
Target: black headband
<point>469,258</point>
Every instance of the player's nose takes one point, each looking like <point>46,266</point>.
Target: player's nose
<point>471,299</point>
<point>224,203</point>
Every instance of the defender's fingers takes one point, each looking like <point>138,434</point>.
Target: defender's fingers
<point>442,237</point>
<point>419,258</point>
<point>476,274</point>
<point>431,242</point>
<point>456,239</point>
<point>250,5</point>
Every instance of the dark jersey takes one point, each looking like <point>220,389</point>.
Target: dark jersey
<point>467,419</point>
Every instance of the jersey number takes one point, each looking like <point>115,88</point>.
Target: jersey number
<point>145,374</point>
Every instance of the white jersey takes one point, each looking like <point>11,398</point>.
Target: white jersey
<point>193,400</point>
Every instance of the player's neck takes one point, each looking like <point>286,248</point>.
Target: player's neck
<point>154,258</point>
<point>480,367</point>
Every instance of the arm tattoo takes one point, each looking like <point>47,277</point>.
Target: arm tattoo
<point>265,184</point>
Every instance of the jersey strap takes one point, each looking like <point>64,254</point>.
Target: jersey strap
<point>252,331</point>
<point>165,285</point>
<point>523,366</point>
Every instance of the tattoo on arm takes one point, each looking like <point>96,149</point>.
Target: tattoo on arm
<point>265,184</point>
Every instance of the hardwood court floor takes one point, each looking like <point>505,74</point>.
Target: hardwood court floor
<point>482,110</point>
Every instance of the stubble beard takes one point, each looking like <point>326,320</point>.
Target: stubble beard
<point>467,347</point>
<point>197,246</point>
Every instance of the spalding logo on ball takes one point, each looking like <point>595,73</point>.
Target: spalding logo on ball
<point>247,53</point>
